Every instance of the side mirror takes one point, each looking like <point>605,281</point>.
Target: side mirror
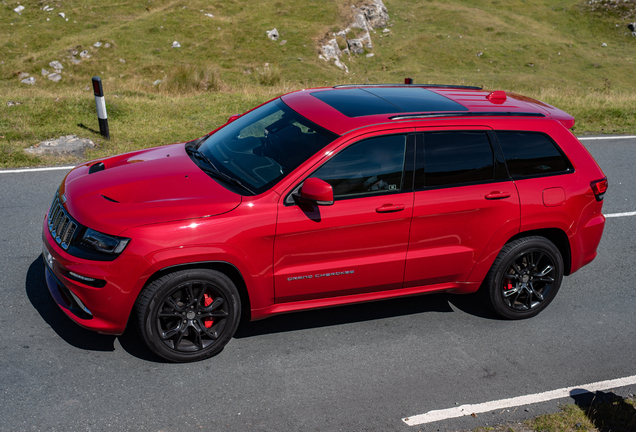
<point>316,191</point>
<point>232,118</point>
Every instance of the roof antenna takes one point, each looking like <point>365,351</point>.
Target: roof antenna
<point>408,80</point>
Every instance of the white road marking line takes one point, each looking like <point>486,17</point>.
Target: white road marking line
<point>36,169</point>
<point>607,137</point>
<point>621,214</point>
<point>466,410</point>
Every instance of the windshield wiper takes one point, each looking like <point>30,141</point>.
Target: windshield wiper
<point>214,171</point>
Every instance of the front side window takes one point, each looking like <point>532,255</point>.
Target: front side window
<point>261,147</point>
<point>531,154</point>
<point>452,158</point>
<point>372,166</point>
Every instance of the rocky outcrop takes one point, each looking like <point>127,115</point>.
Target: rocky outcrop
<point>331,50</point>
<point>356,38</point>
<point>376,14</point>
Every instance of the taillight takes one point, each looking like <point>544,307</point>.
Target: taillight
<point>599,187</point>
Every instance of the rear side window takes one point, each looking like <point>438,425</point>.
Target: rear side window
<point>452,158</point>
<point>531,154</point>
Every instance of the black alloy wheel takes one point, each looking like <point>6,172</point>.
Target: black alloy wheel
<point>189,315</point>
<point>524,278</point>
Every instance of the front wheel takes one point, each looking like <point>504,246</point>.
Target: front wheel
<point>524,278</point>
<point>188,315</point>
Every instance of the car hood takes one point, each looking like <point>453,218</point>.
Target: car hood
<point>145,187</point>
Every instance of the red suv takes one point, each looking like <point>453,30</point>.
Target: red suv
<point>325,197</point>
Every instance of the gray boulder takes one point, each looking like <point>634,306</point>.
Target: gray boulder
<point>272,34</point>
<point>69,145</point>
<point>56,65</point>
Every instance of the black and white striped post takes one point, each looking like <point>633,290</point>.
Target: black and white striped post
<point>101,107</point>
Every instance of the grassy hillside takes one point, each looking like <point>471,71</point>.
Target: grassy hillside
<point>551,50</point>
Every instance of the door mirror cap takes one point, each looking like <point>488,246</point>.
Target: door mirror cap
<point>316,191</point>
<point>232,118</point>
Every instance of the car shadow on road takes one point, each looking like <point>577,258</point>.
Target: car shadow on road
<point>470,304</point>
<point>71,333</point>
<point>131,342</point>
<point>607,411</point>
<point>42,301</point>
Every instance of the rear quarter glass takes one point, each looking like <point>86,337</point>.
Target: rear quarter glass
<point>531,154</point>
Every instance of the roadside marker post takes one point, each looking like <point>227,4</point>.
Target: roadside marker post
<point>101,107</point>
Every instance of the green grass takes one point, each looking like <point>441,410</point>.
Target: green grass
<point>605,413</point>
<point>546,49</point>
<point>615,415</point>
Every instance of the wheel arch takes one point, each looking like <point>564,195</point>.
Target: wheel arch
<point>221,266</point>
<point>558,237</point>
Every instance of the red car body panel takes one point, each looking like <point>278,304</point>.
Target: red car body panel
<point>450,230</point>
<point>144,188</point>
<point>432,240</point>
<point>338,242</point>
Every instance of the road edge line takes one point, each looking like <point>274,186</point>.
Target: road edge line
<point>611,215</point>
<point>607,138</point>
<point>14,171</point>
<point>466,410</point>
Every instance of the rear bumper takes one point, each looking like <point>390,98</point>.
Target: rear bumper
<point>585,242</point>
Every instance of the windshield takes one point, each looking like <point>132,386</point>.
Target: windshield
<point>261,147</point>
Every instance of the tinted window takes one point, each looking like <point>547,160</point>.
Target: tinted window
<point>457,157</point>
<point>371,166</point>
<point>531,154</point>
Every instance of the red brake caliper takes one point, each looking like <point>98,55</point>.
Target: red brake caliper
<point>207,301</point>
<point>508,284</point>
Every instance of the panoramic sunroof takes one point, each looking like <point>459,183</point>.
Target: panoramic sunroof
<point>360,102</point>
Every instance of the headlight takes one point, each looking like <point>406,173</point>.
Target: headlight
<point>103,242</point>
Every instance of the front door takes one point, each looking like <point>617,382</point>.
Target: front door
<point>359,243</point>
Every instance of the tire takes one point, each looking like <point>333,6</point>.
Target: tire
<point>524,278</point>
<point>188,315</point>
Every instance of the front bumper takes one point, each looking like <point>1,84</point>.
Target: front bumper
<point>103,309</point>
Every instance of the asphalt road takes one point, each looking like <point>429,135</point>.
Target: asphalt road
<point>353,368</point>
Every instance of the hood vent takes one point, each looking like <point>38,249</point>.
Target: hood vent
<point>97,167</point>
<point>110,199</point>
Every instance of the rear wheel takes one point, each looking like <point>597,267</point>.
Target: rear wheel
<point>524,278</point>
<point>189,315</point>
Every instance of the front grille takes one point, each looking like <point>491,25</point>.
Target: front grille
<point>61,225</point>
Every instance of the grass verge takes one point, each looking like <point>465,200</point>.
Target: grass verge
<point>568,54</point>
<point>599,412</point>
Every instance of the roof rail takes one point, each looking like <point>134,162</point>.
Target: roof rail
<point>410,85</point>
<point>466,114</point>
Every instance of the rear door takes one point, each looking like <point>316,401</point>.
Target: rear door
<point>463,197</point>
<point>359,243</point>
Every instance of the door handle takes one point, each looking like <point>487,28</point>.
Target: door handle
<point>497,195</point>
<point>389,208</point>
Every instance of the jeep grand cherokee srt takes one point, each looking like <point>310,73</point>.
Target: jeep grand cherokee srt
<point>324,197</point>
